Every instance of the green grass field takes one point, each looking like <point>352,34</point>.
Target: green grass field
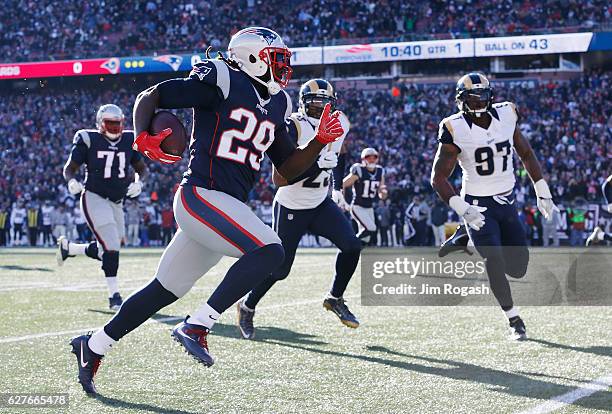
<point>402,359</point>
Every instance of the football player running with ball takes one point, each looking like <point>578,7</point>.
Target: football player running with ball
<point>107,155</point>
<point>482,136</point>
<point>239,113</point>
<point>368,182</point>
<point>302,204</point>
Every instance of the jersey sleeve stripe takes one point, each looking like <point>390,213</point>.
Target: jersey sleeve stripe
<point>223,77</point>
<point>449,127</point>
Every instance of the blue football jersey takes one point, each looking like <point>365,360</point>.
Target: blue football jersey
<point>232,127</point>
<point>365,189</point>
<point>106,162</point>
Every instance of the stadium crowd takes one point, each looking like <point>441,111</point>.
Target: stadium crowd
<point>79,29</point>
<point>568,123</point>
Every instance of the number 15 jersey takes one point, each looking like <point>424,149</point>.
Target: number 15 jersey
<point>485,155</point>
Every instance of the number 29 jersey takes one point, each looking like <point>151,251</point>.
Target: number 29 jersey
<point>230,138</point>
<point>310,189</point>
<point>485,155</point>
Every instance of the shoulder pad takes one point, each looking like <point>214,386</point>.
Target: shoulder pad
<point>213,72</point>
<point>446,131</point>
<point>356,169</point>
<point>82,135</point>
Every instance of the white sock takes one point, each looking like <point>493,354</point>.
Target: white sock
<point>512,312</point>
<point>100,342</point>
<point>112,285</point>
<point>206,316</point>
<point>77,248</point>
<point>330,296</point>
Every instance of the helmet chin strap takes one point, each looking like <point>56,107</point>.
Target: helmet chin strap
<point>273,87</point>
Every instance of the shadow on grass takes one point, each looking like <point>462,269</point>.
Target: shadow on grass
<point>120,404</point>
<point>595,350</point>
<point>25,268</point>
<point>510,383</point>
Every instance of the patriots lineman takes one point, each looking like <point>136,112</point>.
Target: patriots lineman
<point>368,182</point>
<point>302,204</point>
<point>107,155</point>
<point>239,113</point>
<point>482,137</point>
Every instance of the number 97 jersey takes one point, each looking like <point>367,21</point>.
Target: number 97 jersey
<point>485,155</point>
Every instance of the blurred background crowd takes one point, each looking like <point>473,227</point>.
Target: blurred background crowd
<point>568,124</point>
<point>30,30</point>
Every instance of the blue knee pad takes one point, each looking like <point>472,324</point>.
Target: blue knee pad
<point>110,263</point>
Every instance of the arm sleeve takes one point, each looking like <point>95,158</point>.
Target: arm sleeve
<point>206,86</point>
<point>445,134</point>
<point>78,153</point>
<point>187,93</point>
<point>338,171</point>
<point>282,147</point>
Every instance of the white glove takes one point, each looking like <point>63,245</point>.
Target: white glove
<point>74,186</point>
<point>545,202</point>
<point>610,208</point>
<point>338,198</point>
<point>471,214</point>
<point>328,160</point>
<point>134,189</point>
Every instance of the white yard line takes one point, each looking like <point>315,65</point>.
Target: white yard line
<point>560,401</point>
<point>12,339</point>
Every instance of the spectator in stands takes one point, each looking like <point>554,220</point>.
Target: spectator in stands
<point>439,217</point>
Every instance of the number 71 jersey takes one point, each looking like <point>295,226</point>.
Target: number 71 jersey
<point>485,155</point>
<point>107,162</point>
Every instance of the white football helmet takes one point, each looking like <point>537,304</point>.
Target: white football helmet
<point>262,54</point>
<point>368,152</point>
<point>109,121</point>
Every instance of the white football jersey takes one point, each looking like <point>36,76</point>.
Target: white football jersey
<point>311,191</point>
<point>486,155</point>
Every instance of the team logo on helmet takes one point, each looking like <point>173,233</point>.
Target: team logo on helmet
<point>268,35</point>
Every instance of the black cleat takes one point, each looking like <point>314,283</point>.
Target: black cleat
<point>115,302</point>
<point>245,322</point>
<point>518,332</point>
<point>88,363</point>
<point>338,306</point>
<point>594,237</point>
<point>457,242</point>
<point>193,338</point>
<point>62,250</point>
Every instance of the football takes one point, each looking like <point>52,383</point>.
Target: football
<point>174,143</point>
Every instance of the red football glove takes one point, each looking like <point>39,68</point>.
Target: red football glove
<point>330,128</point>
<point>149,145</point>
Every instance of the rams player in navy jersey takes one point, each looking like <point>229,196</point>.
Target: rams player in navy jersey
<point>368,182</point>
<point>239,113</point>
<point>107,155</point>
<point>302,204</point>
